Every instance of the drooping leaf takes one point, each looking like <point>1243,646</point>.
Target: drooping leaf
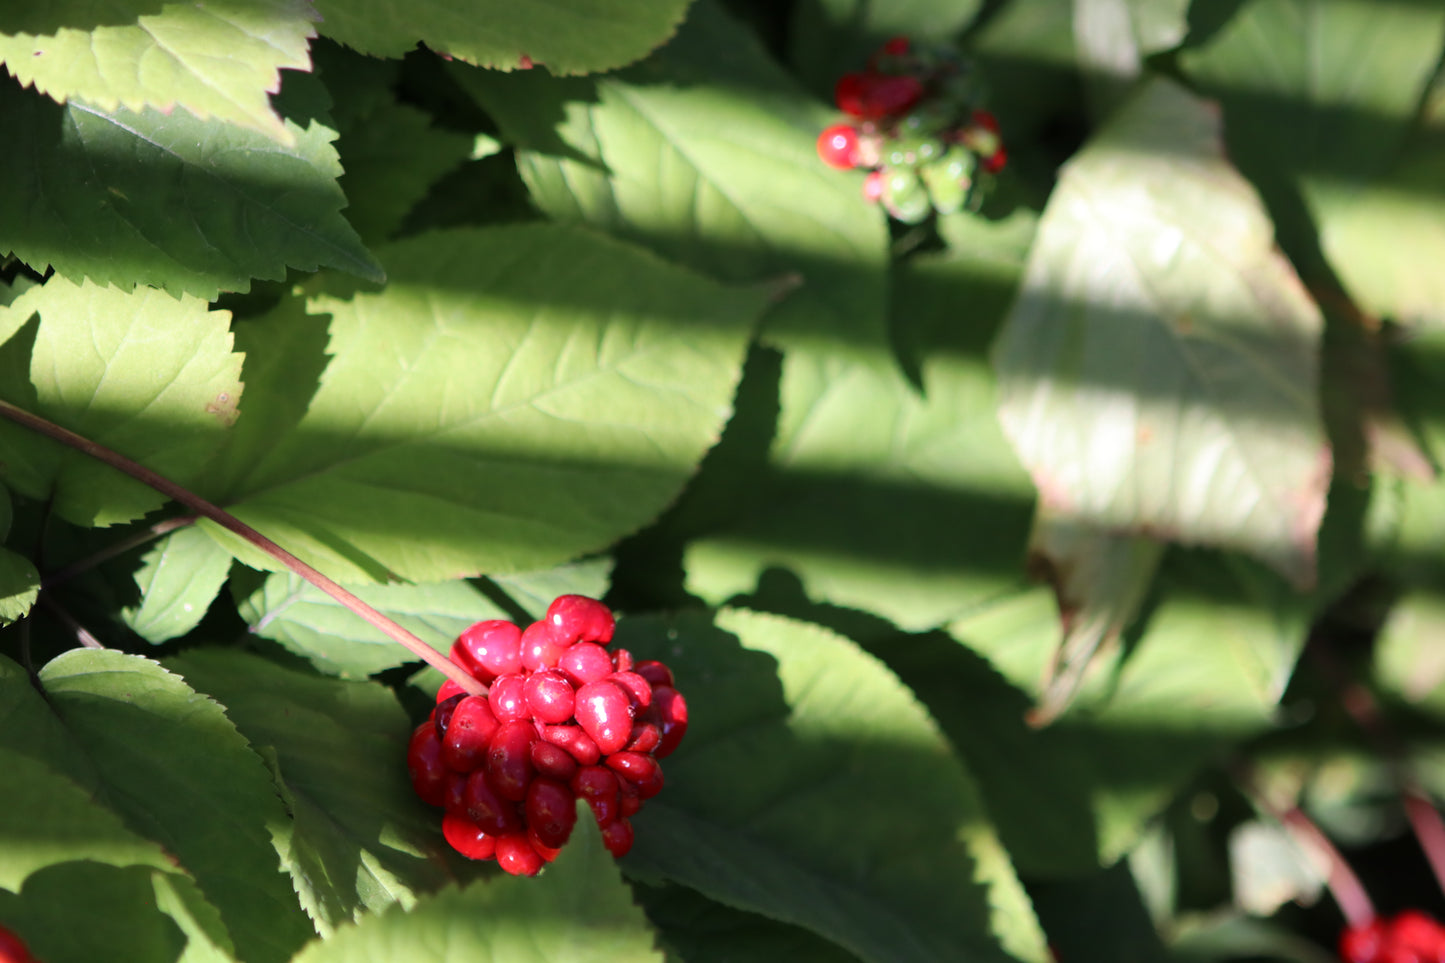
<point>359,840</point>
<point>1158,373</point>
<point>178,579</point>
<point>19,585</point>
<point>194,206</point>
<point>571,37</point>
<point>705,153</point>
<point>48,820</point>
<point>578,910</point>
<point>179,773</point>
<point>215,59</point>
<point>472,420</point>
<point>141,372</point>
<point>834,747</point>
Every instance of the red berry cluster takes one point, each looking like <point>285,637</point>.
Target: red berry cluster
<point>1408,937</point>
<point>918,129</point>
<point>563,719</point>
<point>13,949</point>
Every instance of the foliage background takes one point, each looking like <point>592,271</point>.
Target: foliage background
<point>1146,448</point>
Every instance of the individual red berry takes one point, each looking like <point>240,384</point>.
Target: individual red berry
<point>469,734</point>
<point>507,697</point>
<point>551,811</point>
<point>585,662</point>
<point>455,799</point>
<point>873,186</point>
<point>13,949</point>
<point>449,689</point>
<point>838,147</point>
<point>577,618</point>
<point>598,786</point>
<point>424,763</point>
<point>467,838</point>
<point>1414,930</point>
<point>1362,942</point>
<point>617,837</point>
<point>492,648</point>
<point>548,853</point>
<point>550,697</point>
<point>629,803</point>
<point>656,673</point>
<point>509,760</point>
<point>637,687</point>
<point>645,737</point>
<point>541,647</point>
<point>442,714</point>
<point>850,92</point>
<point>551,761</point>
<point>577,743</point>
<point>639,769</point>
<point>621,660</point>
<point>487,808</point>
<point>516,855</point>
<point>874,96</point>
<point>604,711</point>
<point>670,711</point>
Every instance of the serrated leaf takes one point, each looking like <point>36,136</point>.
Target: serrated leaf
<point>705,153</point>
<point>47,819</point>
<point>218,58</point>
<point>287,608</point>
<point>193,206</point>
<point>143,373</point>
<point>359,840</point>
<point>578,910</point>
<point>1158,374</point>
<point>178,579</point>
<point>19,586</point>
<point>574,36</point>
<point>179,773</point>
<point>514,398</point>
<point>834,748</point>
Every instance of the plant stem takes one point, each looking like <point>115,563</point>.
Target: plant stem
<point>67,572</point>
<point>230,522</point>
<point>82,634</point>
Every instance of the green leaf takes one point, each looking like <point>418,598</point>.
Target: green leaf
<point>706,154</point>
<point>1159,373</point>
<point>1112,38</point>
<point>833,748</point>
<point>177,579</point>
<point>472,421</point>
<point>178,772</point>
<point>19,586</point>
<point>143,373</point>
<point>194,206</point>
<point>47,819</point>
<point>569,37</point>
<point>359,840</point>
<point>708,932</point>
<point>206,938</point>
<point>534,591</point>
<point>215,59</point>
<point>41,18</point>
<point>80,912</point>
<point>1408,658</point>
<point>936,505</point>
<point>578,910</point>
<point>306,620</point>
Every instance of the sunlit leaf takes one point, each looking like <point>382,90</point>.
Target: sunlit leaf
<point>177,579</point>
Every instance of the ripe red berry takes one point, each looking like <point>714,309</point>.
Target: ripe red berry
<point>1415,931</point>
<point>507,697</point>
<point>577,743</point>
<point>449,689</point>
<point>489,649</point>
<point>469,734</point>
<point>598,786</point>
<point>656,673</point>
<point>550,697</point>
<point>639,769</point>
<point>516,855</point>
<point>577,618</point>
<point>838,147</point>
<point>849,93</point>
<point>442,714</point>
<point>621,660</point>
<point>637,687</point>
<point>425,765</point>
<point>487,808</point>
<point>548,853</point>
<point>645,737</point>
<point>617,837</point>
<point>509,760</point>
<point>872,96</point>
<point>466,837</point>
<point>604,711</point>
<point>669,709</point>
<point>542,646</point>
<point>551,811</point>
<point>585,662</point>
<point>13,949</point>
<point>551,761</point>
<point>1361,943</point>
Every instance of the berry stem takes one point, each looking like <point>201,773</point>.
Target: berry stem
<point>230,522</point>
<point>1348,892</point>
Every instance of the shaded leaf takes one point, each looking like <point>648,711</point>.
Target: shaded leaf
<point>80,912</point>
<point>1158,374</point>
<point>834,748</point>
<point>194,206</point>
<point>39,18</point>
<point>578,910</point>
<point>178,579</point>
<point>474,418</point>
<point>705,931</point>
<point>19,586</point>
<point>831,37</point>
<point>216,59</point>
<point>574,36</point>
<point>143,373</point>
<point>358,840</point>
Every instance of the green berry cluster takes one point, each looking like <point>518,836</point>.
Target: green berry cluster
<point>918,130</point>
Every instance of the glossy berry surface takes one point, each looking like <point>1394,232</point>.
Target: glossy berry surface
<point>1408,937</point>
<point>563,719</point>
<point>838,147</point>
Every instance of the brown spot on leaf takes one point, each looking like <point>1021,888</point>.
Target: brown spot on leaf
<point>223,406</point>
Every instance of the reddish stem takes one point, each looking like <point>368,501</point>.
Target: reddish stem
<point>230,522</point>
